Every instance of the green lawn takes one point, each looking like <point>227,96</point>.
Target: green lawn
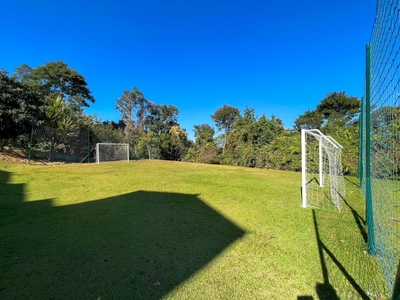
<point>157,229</point>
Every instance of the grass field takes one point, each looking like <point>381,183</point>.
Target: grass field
<point>171,230</point>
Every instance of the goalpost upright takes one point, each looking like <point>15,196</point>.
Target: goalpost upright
<point>303,169</point>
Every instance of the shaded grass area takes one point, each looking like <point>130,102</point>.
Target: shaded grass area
<point>154,229</point>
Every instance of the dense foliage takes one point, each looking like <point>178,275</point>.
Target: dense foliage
<point>19,108</point>
<point>261,142</point>
<point>57,78</point>
<point>152,130</point>
<point>54,94</point>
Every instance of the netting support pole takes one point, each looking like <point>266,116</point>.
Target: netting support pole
<point>303,169</point>
<point>88,145</point>
<point>368,196</point>
<point>396,287</point>
<point>30,146</point>
<point>360,143</point>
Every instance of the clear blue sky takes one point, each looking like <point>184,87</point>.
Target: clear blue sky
<point>278,57</point>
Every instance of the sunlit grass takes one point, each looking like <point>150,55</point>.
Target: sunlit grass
<point>156,229</point>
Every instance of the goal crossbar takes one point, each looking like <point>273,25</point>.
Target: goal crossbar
<point>319,135</point>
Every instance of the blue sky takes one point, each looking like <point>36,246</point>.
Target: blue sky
<point>278,57</point>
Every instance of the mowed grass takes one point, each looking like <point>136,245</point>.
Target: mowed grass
<point>172,230</point>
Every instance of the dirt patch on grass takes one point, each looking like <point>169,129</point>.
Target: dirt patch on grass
<point>14,157</point>
<point>19,157</point>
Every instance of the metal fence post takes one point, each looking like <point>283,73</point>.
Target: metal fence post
<point>360,143</point>
<point>88,157</point>
<point>30,146</point>
<point>369,204</point>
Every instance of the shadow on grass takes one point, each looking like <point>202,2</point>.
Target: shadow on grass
<point>396,287</point>
<point>352,182</point>
<point>360,221</point>
<point>139,245</point>
<point>325,290</point>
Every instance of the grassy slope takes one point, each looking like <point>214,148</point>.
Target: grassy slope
<point>153,229</point>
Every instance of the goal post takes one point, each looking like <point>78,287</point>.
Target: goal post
<point>322,175</point>
<point>106,152</point>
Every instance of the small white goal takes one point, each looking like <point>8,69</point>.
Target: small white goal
<point>106,152</point>
<point>322,175</point>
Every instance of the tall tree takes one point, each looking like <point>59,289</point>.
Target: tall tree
<point>204,134</point>
<point>148,141</point>
<point>133,106</point>
<point>22,72</point>
<point>205,150</point>
<point>19,108</point>
<point>57,78</point>
<point>336,109</point>
<point>179,141</point>
<point>224,119</point>
<point>106,133</point>
<point>311,119</point>
<point>339,107</point>
<point>120,125</point>
<point>160,119</point>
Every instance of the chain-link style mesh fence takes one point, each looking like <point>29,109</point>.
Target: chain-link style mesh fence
<point>379,155</point>
<point>49,144</point>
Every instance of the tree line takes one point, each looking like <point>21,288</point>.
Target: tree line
<point>54,95</point>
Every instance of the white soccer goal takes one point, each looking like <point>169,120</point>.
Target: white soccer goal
<point>322,174</point>
<point>112,152</point>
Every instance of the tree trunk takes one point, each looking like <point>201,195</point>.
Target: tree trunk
<point>2,144</point>
<point>53,145</point>
<point>223,148</point>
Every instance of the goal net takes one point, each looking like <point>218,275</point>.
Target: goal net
<point>111,152</point>
<point>322,175</point>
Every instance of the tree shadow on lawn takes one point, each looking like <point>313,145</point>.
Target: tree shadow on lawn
<point>139,245</point>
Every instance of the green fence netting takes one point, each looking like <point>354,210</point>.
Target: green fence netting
<point>49,144</point>
<point>379,152</point>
